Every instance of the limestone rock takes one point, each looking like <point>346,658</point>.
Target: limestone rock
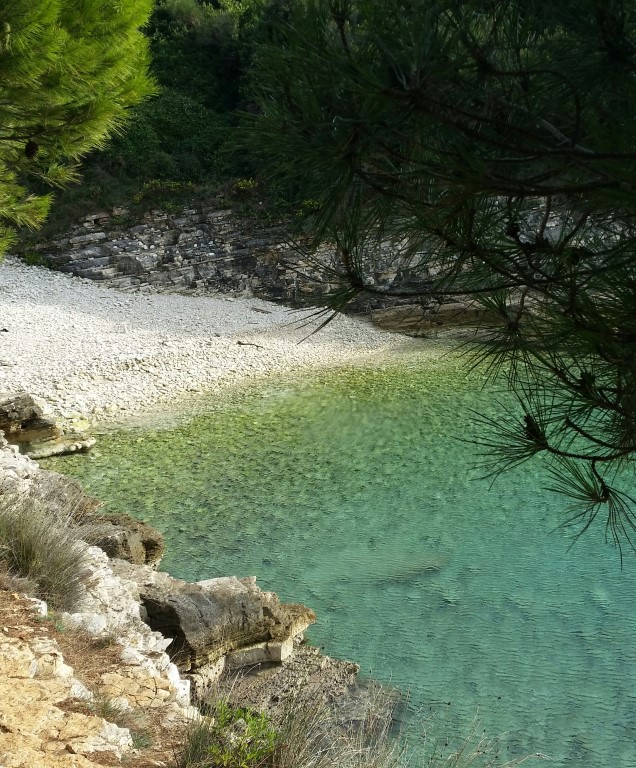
<point>83,734</point>
<point>17,471</point>
<point>128,539</point>
<point>211,618</point>
<point>136,687</point>
<point>111,606</point>
<point>415,320</point>
<point>61,495</point>
<point>261,653</point>
<point>27,423</point>
<point>194,251</point>
<point>34,731</point>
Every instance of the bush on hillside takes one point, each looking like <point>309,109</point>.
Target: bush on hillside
<point>201,52</point>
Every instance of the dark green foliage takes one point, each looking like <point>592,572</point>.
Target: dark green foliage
<point>200,54</point>
<point>196,50</point>
<point>174,136</point>
<point>491,144</point>
<point>69,70</point>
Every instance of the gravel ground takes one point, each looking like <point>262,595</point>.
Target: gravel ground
<point>92,351</point>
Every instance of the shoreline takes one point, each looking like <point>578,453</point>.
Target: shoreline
<point>111,359</point>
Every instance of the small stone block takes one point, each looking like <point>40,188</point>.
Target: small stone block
<point>281,650</point>
<point>252,654</point>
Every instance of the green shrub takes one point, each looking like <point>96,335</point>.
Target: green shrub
<point>229,737</point>
<point>243,739</point>
<point>306,209</point>
<point>173,136</point>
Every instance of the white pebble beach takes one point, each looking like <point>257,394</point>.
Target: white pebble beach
<point>95,352</point>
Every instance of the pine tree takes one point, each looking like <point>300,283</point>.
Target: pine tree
<point>493,144</point>
<point>69,69</point>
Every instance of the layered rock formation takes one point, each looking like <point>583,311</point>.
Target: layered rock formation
<point>218,622</point>
<point>195,251</point>
<point>201,250</point>
<point>27,423</point>
<point>203,622</point>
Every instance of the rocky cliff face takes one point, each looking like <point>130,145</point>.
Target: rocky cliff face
<point>196,251</point>
<point>205,627</point>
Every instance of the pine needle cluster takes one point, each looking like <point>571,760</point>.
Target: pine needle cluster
<point>69,70</point>
<point>489,146</point>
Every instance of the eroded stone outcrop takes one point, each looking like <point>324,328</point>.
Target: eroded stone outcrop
<point>225,620</point>
<point>124,538</point>
<point>266,687</point>
<point>27,423</point>
<point>416,320</point>
<point>22,476</point>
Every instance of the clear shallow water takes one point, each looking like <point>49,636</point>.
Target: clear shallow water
<point>350,492</point>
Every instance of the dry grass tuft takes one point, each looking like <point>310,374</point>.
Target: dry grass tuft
<point>46,546</point>
<point>310,734</point>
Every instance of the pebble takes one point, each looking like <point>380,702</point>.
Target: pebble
<point>87,349</point>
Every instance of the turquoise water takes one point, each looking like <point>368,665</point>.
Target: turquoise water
<point>351,492</point>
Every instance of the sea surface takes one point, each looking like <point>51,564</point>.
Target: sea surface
<point>355,492</point>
